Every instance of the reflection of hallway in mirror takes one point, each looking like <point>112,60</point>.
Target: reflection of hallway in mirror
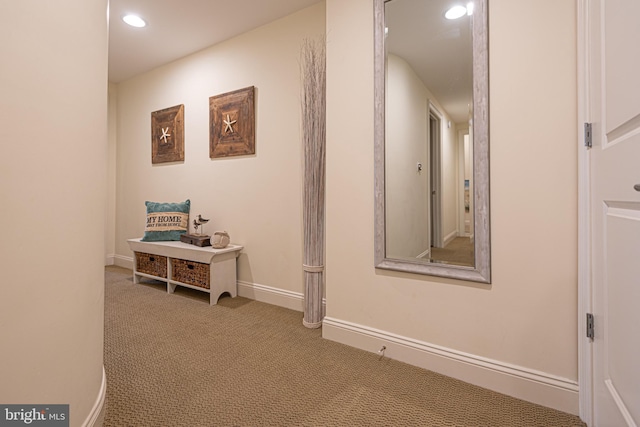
<point>458,252</point>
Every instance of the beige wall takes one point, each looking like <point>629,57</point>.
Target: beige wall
<point>525,320</point>
<point>407,112</point>
<point>407,117</point>
<point>53,81</point>
<point>528,316</point>
<point>110,226</point>
<point>257,199</point>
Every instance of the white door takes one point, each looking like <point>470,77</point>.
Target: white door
<point>435,170</point>
<point>614,109</point>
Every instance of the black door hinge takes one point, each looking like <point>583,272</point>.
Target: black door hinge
<point>590,326</point>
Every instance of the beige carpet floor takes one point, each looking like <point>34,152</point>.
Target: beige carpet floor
<point>458,252</point>
<point>174,360</point>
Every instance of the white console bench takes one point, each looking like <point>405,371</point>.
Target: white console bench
<point>181,264</point>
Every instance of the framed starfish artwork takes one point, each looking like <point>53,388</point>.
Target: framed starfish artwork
<point>167,135</point>
<point>232,124</point>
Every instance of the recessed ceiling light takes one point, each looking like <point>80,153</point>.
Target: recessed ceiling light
<point>134,21</point>
<point>456,12</point>
<point>459,11</point>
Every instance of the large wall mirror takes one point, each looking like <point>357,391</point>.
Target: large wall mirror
<point>432,138</point>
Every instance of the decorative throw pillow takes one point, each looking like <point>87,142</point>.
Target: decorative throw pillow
<point>166,221</point>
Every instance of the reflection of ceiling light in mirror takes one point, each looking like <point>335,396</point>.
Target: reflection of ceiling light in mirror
<point>134,21</point>
<point>459,11</point>
<point>456,12</point>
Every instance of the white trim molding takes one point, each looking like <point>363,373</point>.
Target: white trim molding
<point>123,261</point>
<point>425,254</point>
<point>449,238</point>
<point>270,295</point>
<point>275,296</point>
<point>267,294</point>
<point>523,383</point>
<point>96,416</point>
<point>585,356</point>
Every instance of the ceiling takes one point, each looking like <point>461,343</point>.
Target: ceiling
<point>176,28</point>
<point>418,33</point>
<point>437,49</point>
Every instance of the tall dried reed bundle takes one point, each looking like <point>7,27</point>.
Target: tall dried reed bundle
<point>313,75</point>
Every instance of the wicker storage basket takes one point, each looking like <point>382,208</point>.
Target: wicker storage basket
<point>190,272</point>
<point>154,265</point>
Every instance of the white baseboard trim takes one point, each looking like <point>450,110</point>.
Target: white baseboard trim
<point>254,291</point>
<point>96,416</point>
<point>123,261</point>
<point>109,260</point>
<point>270,295</point>
<point>523,383</point>
<point>275,296</point>
<point>425,254</point>
<point>450,237</point>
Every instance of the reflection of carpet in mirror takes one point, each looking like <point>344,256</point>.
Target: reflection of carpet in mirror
<point>458,252</point>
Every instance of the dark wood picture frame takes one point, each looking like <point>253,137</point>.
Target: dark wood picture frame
<point>167,135</point>
<point>232,123</point>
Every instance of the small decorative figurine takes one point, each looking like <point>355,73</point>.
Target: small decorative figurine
<point>197,223</point>
<point>197,238</point>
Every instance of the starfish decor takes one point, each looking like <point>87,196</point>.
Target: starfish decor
<point>165,134</point>
<point>232,123</point>
<point>229,124</point>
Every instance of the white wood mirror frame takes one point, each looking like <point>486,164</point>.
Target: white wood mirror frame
<point>481,270</point>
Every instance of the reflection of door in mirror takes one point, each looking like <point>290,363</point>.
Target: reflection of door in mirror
<point>435,167</point>
<point>466,180</point>
<point>428,110</point>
